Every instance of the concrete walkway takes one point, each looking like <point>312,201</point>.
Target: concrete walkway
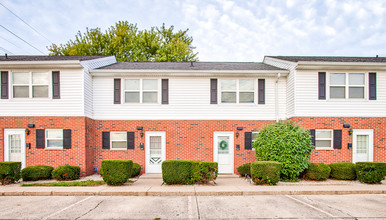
<point>226,185</point>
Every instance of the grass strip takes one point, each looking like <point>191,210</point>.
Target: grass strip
<point>75,183</point>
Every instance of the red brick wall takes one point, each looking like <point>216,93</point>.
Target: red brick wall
<point>345,154</point>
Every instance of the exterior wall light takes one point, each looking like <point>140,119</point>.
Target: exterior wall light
<point>237,134</point>
<point>27,131</point>
<point>346,126</point>
<point>141,134</point>
<point>350,132</point>
<point>31,125</point>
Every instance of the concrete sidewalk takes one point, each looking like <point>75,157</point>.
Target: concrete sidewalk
<point>226,185</point>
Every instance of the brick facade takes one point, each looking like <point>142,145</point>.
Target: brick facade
<point>185,139</point>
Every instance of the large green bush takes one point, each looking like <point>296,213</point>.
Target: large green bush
<point>9,172</point>
<point>136,170</point>
<point>188,172</point>
<point>343,171</point>
<point>318,171</point>
<point>287,143</point>
<point>66,172</point>
<point>244,169</point>
<point>37,172</point>
<point>370,172</point>
<point>116,172</point>
<point>265,172</point>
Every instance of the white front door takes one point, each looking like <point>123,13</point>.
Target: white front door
<point>362,145</point>
<point>223,151</point>
<point>155,151</point>
<point>14,145</point>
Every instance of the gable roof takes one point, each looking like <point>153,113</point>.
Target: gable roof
<point>48,58</point>
<point>331,59</point>
<point>189,66</point>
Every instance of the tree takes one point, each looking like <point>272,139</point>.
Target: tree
<point>127,43</point>
<point>287,143</point>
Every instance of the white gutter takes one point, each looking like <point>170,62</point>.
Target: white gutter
<point>41,64</point>
<point>277,97</point>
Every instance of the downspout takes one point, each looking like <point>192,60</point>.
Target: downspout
<point>277,97</point>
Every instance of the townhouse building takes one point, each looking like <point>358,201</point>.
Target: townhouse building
<point>80,110</point>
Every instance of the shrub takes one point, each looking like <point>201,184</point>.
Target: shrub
<point>66,172</point>
<point>136,170</point>
<point>37,172</point>
<point>116,172</point>
<point>265,172</point>
<point>343,171</point>
<point>318,171</point>
<point>9,172</point>
<point>370,172</point>
<point>244,169</point>
<point>188,172</point>
<point>287,143</point>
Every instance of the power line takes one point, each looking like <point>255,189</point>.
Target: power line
<point>26,23</point>
<point>5,50</point>
<point>21,39</point>
<point>10,42</point>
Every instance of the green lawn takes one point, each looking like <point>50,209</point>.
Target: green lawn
<point>75,183</point>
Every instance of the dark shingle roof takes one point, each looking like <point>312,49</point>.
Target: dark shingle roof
<point>189,66</point>
<point>48,58</point>
<point>331,59</point>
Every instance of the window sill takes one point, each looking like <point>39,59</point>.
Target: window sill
<point>322,149</point>
<point>53,148</point>
<point>123,149</point>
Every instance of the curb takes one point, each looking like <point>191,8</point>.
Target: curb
<point>227,193</point>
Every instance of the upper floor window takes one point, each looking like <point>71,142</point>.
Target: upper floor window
<point>347,85</point>
<point>141,91</point>
<point>237,91</point>
<point>30,84</point>
<point>323,139</point>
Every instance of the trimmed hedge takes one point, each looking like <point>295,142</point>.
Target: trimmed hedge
<point>265,172</point>
<point>9,172</point>
<point>37,172</point>
<point>188,172</point>
<point>244,169</point>
<point>116,172</point>
<point>136,170</point>
<point>66,172</point>
<point>318,171</point>
<point>370,172</point>
<point>343,171</point>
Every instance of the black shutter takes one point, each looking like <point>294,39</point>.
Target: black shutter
<point>130,140</point>
<point>248,140</point>
<point>213,91</point>
<point>105,140</point>
<point>117,91</point>
<point>165,91</point>
<point>261,91</point>
<point>312,133</point>
<point>55,84</point>
<point>337,139</point>
<point>40,140</point>
<point>322,85</point>
<point>67,138</point>
<point>372,86</point>
<point>4,84</point>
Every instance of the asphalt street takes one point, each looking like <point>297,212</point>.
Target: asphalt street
<point>195,207</point>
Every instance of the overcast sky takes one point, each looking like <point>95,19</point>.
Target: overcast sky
<point>222,30</point>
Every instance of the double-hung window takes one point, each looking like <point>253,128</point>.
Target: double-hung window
<point>347,85</point>
<point>323,139</point>
<point>54,138</point>
<point>30,84</point>
<point>254,135</point>
<point>141,91</point>
<point>118,140</point>
<point>237,91</point>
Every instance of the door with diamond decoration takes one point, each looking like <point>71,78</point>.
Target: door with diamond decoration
<point>223,151</point>
<point>155,151</point>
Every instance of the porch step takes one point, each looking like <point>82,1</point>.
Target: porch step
<point>223,176</point>
<point>159,176</point>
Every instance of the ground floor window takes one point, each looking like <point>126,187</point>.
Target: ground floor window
<point>54,138</point>
<point>323,139</point>
<point>118,140</point>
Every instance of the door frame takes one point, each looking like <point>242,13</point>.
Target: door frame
<point>148,134</point>
<point>231,148</point>
<point>22,142</point>
<point>370,133</point>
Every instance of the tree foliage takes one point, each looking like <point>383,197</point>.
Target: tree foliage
<point>287,143</point>
<point>127,43</point>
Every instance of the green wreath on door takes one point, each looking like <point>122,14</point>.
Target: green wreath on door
<point>223,145</point>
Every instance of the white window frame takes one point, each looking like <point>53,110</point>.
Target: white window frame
<point>111,140</point>
<point>30,85</point>
<point>238,91</point>
<point>324,139</point>
<point>347,86</point>
<point>253,140</point>
<point>46,138</point>
<point>141,91</point>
